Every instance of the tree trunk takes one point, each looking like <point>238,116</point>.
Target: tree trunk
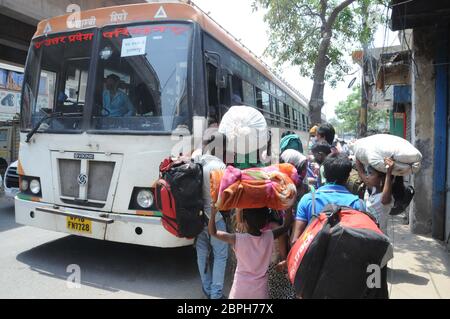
<point>316,101</point>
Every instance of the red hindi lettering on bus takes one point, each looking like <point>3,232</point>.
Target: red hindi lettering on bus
<point>116,33</point>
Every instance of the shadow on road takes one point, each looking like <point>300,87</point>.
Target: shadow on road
<point>7,218</point>
<point>429,254</point>
<point>399,276</point>
<point>162,273</point>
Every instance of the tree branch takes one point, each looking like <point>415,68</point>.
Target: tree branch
<point>311,12</point>
<point>307,35</point>
<point>323,11</point>
<point>336,12</point>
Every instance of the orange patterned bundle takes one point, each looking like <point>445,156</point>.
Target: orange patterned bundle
<point>272,186</point>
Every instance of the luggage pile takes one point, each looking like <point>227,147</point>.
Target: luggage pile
<point>373,149</point>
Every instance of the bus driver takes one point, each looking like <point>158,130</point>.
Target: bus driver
<point>115,102</point>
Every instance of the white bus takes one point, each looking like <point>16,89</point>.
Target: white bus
<point>87,162</point>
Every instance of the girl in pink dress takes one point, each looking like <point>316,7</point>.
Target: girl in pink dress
<point>253,251</point>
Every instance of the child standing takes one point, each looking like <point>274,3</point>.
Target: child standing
<point>378,198</point>
<point>253,251</point>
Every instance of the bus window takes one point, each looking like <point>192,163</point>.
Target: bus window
<point>56,77</point>
<point>3,135</point>
<point>142,79</point>
<point>271,109</point>
<point>46,93</point>
<point>295,118</point>
<point>259,103</point>
<point>249,93</point>
<point>72,93</point>
<point>287,116</point>
<point>237,90</point>
<point>263,102</point>
<point>280,93</point>
<point>213,93</point>
<point>225,97</point>
<point>266,101</point>
<point>278,112</point>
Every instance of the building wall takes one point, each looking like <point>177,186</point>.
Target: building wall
<point>422,117</point>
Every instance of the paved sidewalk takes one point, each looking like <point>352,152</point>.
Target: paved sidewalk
<point>421,265</point>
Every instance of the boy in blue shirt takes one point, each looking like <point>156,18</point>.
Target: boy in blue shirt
<point>337,169</point>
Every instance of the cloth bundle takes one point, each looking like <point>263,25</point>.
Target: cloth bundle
<point>373,149</point>
<point>273,187</point>
<point>245,128</point>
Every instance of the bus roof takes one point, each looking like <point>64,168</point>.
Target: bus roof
<point>145,12</point>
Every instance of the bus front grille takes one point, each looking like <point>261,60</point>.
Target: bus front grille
<point>85,184</point>
<point>68,177</point>
<point>99,180</point>
<point>12,178</point>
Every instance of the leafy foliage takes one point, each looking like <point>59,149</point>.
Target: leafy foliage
<point>296,30</point>
<point>347,113</point>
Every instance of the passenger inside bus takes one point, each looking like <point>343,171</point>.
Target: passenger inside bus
<point>115,102</point>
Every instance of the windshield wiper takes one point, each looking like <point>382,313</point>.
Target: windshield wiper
<point>38,125</point>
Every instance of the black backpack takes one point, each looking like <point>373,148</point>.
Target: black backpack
<point>179,197</point>
<point>335,256</point>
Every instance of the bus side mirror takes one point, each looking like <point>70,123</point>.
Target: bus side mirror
<point>221,80</point>
<point>224,75</point>
<point>215,60</point>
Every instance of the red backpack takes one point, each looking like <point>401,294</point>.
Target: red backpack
<point>166,204</point>
<point>179,197</point>
<point>331,258</point>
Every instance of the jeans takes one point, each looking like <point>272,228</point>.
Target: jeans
<point>212,274</point>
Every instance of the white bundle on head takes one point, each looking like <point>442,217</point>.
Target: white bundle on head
<point>243,123</point>
<point>373,149</point>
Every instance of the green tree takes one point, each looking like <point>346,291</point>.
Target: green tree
<point>347,113</point>
<point>338,126</point>
<point>317,35</point>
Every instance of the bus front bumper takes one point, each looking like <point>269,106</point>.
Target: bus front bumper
<point>132,229</point>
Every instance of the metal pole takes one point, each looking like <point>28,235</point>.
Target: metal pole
<point>362,127</point>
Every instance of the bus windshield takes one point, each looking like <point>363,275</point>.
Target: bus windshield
<point>56,79</point>
<point>142,78</point>
<point>140,82</point>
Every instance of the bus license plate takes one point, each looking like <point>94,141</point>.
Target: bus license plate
<point>79,224</point>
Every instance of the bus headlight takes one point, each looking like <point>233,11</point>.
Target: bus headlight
<point>24,185</point>
<point>145,199</point>
<point>35,186</point>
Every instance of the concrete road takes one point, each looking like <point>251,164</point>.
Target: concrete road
<point>33,264</point>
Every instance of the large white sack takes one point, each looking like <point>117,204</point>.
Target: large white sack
<point>373,149</point>
<point>245,128</point>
